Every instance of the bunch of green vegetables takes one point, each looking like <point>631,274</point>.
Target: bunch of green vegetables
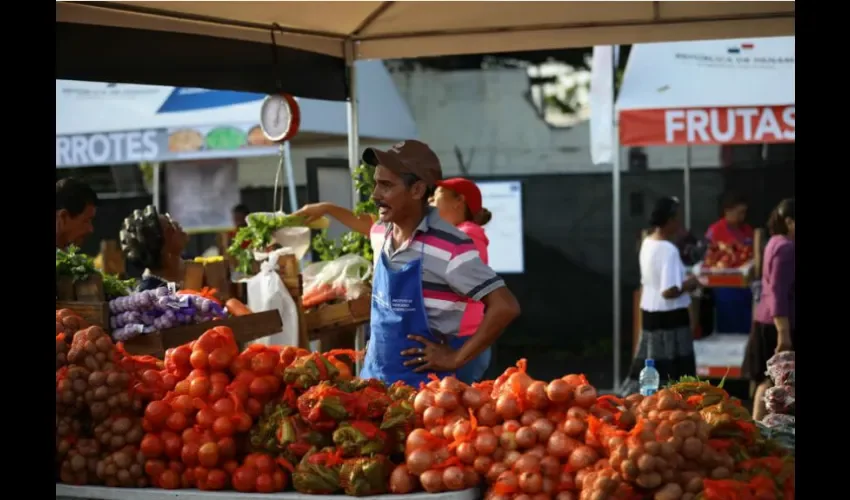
<point>258,235</point>
<point>74,264</point>
<point>352,242</point>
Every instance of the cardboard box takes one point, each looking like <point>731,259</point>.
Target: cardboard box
<point>95,313</point>
<point>245,329</point>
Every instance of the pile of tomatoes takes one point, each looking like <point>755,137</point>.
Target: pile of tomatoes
<point>194,433</point>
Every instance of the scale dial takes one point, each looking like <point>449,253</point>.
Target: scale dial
<point>280,117</point>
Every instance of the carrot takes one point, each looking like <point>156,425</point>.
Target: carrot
<point>237,308</point>
<point>321,298</point>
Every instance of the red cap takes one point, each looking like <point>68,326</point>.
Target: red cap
<point>467,188</point>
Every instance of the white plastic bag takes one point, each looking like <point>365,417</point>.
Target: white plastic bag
<point>350,272</point>
<point>266,292</point>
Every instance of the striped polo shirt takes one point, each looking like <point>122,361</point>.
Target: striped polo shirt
<point>453,272</point>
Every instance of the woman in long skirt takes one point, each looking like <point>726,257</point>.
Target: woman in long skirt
<point>666,335</point>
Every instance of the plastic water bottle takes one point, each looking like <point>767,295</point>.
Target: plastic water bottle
<point>649,379</point>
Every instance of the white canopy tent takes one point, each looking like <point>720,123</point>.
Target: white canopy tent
<point>372,30</point>
<point>715,92</point>
<point>100,123</point>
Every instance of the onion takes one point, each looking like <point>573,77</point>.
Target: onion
<point>446,400</point>
<point>418,438</point>
<point>543,428</point>
<point>485,444</point>
<point>432,481</point>
<point>496,470</point>
<point>576,412</point>
<point>433,416</point>
<point>585,395</point>
<point>471,478</point>
<point>487,415</point>
<point>424,399</point>
<point>402,481</point>
<point>559,391</point>
<point>466,453</point>
<point>574,380</point>
<point>531,482</point>
<point>525,437</point>
<point>529,416</point>
<point>473,398</point>
<point>508,407</point>
<point>536,395</point>
<point>418,461</point>
<point>508,441</point>
<point>482,464</point>
<point>452,384</point>
<point>550,466</point>
<point>461,429</point>
<point>527,463</point>
<point>511,425</point>
<point>574,427</point>
<point>538,451</point>
<point>582,457</point>
<point>519,381</point>
<point>439,431</point>
<point>453,478</point>
<point>511,457</point>
<point>559,445</point>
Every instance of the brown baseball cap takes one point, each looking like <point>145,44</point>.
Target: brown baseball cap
<point>407,157</point>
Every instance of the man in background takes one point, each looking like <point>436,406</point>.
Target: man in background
<point>76,205</point>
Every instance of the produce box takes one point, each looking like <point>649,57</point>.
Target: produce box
<point>333,316</point>
<point>89,290</point>
<point>95,313</point>
<point>213,272</point>
<point>245,329</point>
<point>736,277</point>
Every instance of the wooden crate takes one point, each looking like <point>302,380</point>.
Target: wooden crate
<point>337,316</point>
<point>95,313</point>
<point>90,290</point>
<point>245,329</point>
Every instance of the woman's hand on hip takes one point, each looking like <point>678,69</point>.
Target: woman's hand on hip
<point>432,357</point>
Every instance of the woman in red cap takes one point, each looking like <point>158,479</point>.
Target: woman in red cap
<point>459,203</point>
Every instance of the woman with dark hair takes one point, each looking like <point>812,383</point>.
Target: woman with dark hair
<point>774,329</point>
<point>731,228</point>
<point>459,202</point>
<point>665,335</point>
<point>155,243</point>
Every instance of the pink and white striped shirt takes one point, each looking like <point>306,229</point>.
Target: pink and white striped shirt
<point>453,273</point>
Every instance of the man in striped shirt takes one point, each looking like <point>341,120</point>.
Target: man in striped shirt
<point>425,270</point>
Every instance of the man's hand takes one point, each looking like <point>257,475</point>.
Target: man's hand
<point>312,211</point>
<point>432,357</point>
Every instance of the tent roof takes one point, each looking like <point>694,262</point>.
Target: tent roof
<point>713,73</point>
<point>226,43</point>
<point>95,107</point>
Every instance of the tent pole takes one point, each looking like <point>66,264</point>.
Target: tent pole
<point>353,118</point>
<point>615,209</point>
<point>354,162</point>
<point>687,187</point>
<point>155,191</point>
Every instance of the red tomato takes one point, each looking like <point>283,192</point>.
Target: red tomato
<point>226,448</point>
<point>242,421</point>
<point>254,407</point>
<point>264,463</point>
<point>220,359</point>
<point>172,444</point>
<point>153,468</point>
<point>177,422</point>
<point>189,454</point>
<point>199,359</point>
<point>240,390</point>
<point>182,387</point>
<point>224,406</point>
<point>169,480</point>
<point>260,387</point>
<point>157,412</point>
<point>151,446</point>
<point>240,364</point>
<point>208,455</point>
<point>191,434</point>
<point>205,418</point>
<point>217,391</point>
<point>180,356</point>
<point>244,479</point>
<point>219,378</point>
<point>279,480</point>
<point>265,483</point>
<point>200,388</point>
<point>183,404</point>
<point>216,480</point>
<point>264,363</point>
<point>223,427</point>
<point>230,466</point>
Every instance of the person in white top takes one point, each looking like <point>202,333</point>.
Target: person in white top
<point>666,335</point>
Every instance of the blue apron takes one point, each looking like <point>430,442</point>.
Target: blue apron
<point>398,310</point>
